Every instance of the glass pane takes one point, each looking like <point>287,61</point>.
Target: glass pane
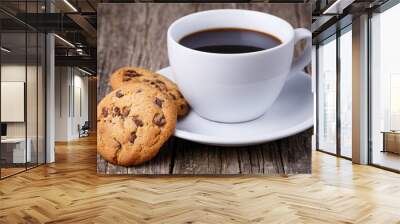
<point>385,87</point>
<point>13,85</point>
<point>327,96</point>
<point>31,98</point>
<point>31,88</point>
<point>346,94</point>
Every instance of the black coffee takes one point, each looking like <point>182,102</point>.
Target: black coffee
<point>229,41</point>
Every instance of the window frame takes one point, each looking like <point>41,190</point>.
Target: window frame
<point>333,37</point>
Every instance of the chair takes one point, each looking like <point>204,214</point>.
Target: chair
<point>84,130</point>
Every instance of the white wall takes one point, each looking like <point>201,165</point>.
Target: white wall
<point>16,72</point>
<point>71,93</point>
<point>61,103</point>
<point>80,110</point>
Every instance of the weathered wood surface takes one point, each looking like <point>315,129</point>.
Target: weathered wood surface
<point>135,34</point>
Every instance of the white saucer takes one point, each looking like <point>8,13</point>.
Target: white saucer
<point>291,113</point>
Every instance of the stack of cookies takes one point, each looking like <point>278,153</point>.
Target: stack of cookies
<point>138,116</point>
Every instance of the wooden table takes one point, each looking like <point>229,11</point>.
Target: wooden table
<point>15,152</point>
<point>391,141</point>
<point>135,34</point>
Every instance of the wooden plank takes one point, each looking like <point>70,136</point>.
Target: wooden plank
<point>244,160</point>
<point>272,159</point>
<point>229,161</point>
<point>296,153</point>
<point>101,165</point>
<point>214,159</point>
<point>193,158</point>
<point>257,159</point>
<point>190,163</point>
<point>159,164</point>
<point>114,169</point>
<point>135,34</point>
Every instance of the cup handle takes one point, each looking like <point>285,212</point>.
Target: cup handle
<point>304,59</point>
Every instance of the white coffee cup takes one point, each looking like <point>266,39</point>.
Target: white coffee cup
<point>234,87</point>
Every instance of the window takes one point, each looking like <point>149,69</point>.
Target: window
<point>346,92</point>
<point>22,66</point>
<point>327,96</point>
<point>385,89</point>
<point>334,69</point>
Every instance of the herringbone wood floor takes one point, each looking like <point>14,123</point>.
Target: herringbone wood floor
<point>69,191</point>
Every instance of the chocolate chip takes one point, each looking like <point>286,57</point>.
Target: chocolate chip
<point>131,73</point>
<point>160,82</point>
<point>157,86</point>
<point>119,94</point>
<point>117,111</point>
<point>125,79</point>
<point>137,121</point>
<point>159,119</point>
<point>159,102</point>
<point>132,137</point>
<point>125,111</point>
<point>173,96</point>
<point>139,90</point>
<point>104,111</point>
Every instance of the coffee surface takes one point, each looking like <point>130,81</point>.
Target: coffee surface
<point>229,41</point>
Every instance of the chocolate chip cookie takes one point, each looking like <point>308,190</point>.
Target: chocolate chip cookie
<point>133,122</point>
<point>132,74</point>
